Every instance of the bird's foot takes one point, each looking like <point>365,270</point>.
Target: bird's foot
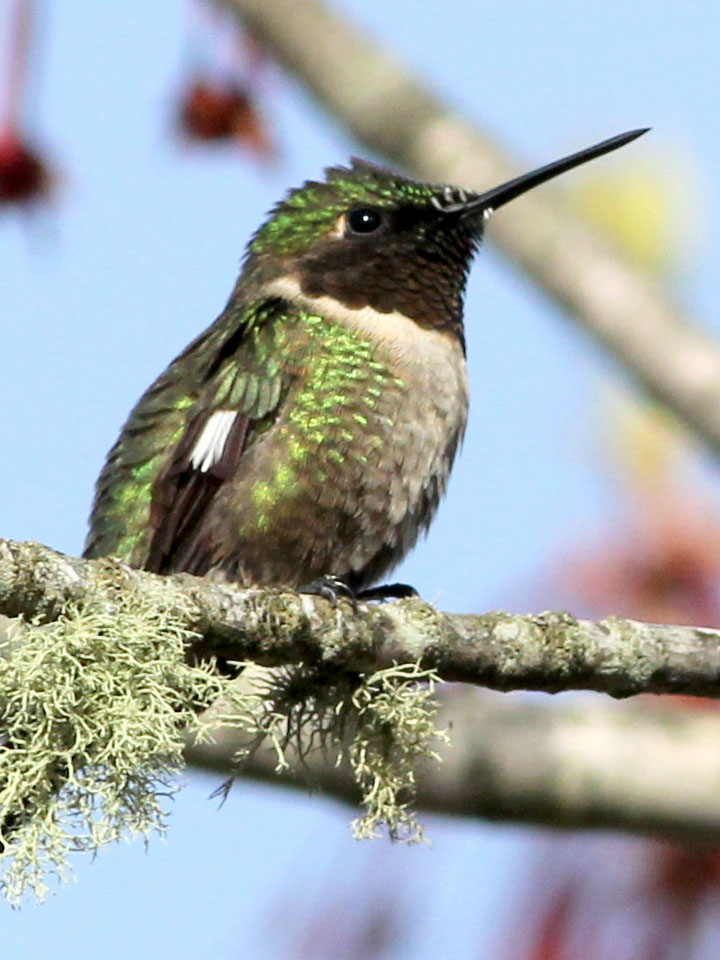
<point>335,588</point>
<point>388,591</point>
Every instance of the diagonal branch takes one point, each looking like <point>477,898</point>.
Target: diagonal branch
<point>548,651</point>
<point>391,112</point>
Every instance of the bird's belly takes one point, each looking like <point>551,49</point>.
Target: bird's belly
<point>345,484</point>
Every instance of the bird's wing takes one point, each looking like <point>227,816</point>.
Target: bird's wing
<point>185,439</point>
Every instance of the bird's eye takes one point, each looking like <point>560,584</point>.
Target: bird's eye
<point>364,220</point>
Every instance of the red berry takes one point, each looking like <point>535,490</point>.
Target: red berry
<point>24,176</point>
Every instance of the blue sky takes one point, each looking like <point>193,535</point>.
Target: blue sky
<point>139,254</point>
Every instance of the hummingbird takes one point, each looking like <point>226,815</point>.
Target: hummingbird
<point>307,436</point>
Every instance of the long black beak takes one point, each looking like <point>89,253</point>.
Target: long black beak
<point>492,199</point>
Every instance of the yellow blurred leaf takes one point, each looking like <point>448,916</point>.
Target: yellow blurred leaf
<point>648,208</point>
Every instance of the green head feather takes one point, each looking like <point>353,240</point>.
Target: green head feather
<point>311,211</point>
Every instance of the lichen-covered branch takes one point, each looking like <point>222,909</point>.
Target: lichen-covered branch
<point>105,669</point>
<point>547,651</point>
<point>646,765</point>
<point>392,112</point>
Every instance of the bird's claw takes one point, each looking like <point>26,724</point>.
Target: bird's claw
<point>388,591</point>
<point>335,588</point>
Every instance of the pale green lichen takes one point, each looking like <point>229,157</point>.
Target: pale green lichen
<point>394,731</point>
<point>382,723</point>
<point>97,705</point>
<point>93,708</point>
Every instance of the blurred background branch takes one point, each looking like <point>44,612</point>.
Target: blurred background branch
<point>394,114</point>
<point>644,766</point>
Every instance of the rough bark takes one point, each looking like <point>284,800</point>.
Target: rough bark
<point>549,651</point>
<point>645,766</point>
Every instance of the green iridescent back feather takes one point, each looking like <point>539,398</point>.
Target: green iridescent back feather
<point>338,384</point>
<point>326,424</point>
<point>249,380</point>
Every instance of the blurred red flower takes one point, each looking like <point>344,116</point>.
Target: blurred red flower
<point>24,173</point>
<point>213,111</point>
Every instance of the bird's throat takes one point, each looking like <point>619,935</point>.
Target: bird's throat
<point>397,336</point>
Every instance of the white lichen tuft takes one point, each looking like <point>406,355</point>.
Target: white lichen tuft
<point>93,708</point>
<point>382,723</point>
<point>394,731</point>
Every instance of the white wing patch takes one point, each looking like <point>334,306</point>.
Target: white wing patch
<point>211,442</point>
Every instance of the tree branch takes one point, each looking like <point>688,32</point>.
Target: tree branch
<point>547,651</point>
<point>646,766</point>
<point>391,112</point>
